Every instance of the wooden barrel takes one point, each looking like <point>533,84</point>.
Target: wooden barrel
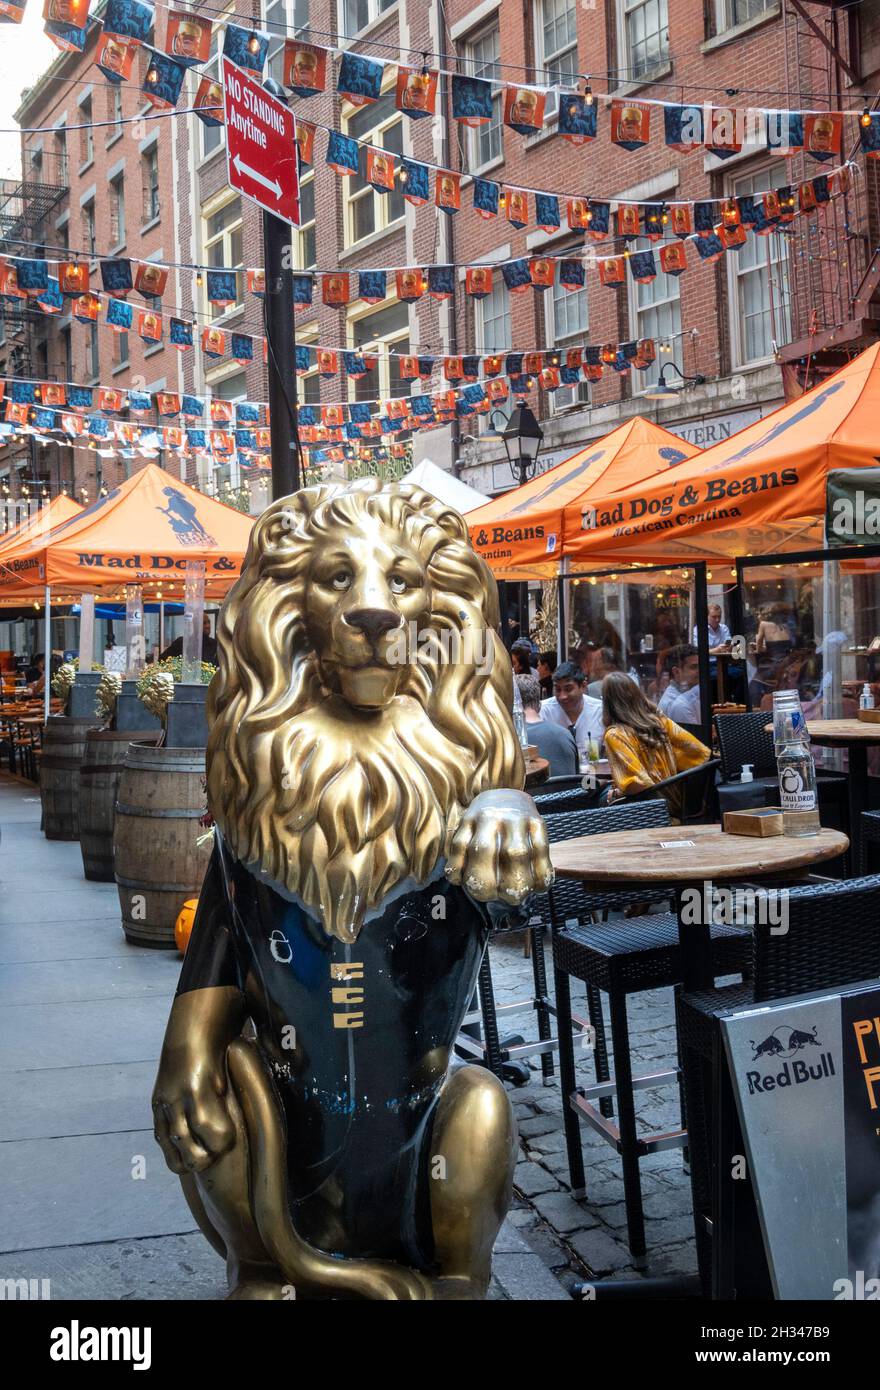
<point>158,863</point>
<point>64,741</point>
<point>99,776</point>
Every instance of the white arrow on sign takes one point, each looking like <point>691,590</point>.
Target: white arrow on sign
<point>272,184</point>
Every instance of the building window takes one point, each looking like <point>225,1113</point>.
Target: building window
<point>222,235</point>
<point>117,211</point>
<point>114,111</point>
<point>94,353</point>
<point>86,134</point>
<point>280,24</point>
<point>730,13</point>
<point>66,355</point>
<point>212,136</point>
<point>378,332</point>
<point>656,313</point>
<point>556,34</point>
<point>644,32</point>
<point>365,210</point>
<point>150,183</point>
<point>569,322</point>
<point>35,163</point>
<point>492,330</point>
<point>88,221</point>
<point>355,15</point>
<point>758,281</point>
<point>308,384</point>
<point>61,156</point>
<point>305,236</point>
<point>481,53</point>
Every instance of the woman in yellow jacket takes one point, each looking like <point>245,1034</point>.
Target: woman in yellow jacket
<point>642,745</point>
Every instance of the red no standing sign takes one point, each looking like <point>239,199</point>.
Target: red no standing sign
<point>260,145</point>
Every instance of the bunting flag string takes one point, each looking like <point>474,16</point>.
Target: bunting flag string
<point>697,225</point>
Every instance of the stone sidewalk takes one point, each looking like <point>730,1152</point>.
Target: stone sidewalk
<point>82,1016</point>
<point>85,1198</point>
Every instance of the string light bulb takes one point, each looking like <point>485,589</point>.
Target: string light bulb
<point>588,93</point>
<point>253,43</point>
<point>865,118</point>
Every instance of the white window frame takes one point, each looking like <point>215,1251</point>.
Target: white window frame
<point>224,375</point>
<point>85,117</point>
<point>213,133</point>
<point>547,64</point>
<point>380,345</point>
<point>308,338</point>
<point>373,135</point>
<point>768,176</point>
<point>567,397</point>
<point>118,212</point>
<point>302,262</point>
<point>475,67</point>
<point>207,211</point>
<point>375,11</point>
<point>642,380</point>
<point>625,10</point>
<point>725,13</point>
<point>487,343</point>
<point>150,159</point>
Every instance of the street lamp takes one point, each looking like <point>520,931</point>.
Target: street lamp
<point>522,436</point>
<point>664,390</point>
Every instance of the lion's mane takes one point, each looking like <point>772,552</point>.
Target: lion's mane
<point>338,805</point>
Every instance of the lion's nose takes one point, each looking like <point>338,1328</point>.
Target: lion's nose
<point>373,622</point>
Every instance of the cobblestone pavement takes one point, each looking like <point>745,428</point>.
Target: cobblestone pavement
<point>583,1239</point>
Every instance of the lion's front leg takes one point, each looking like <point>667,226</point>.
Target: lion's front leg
<point>471,1161</point>
<point>499,852</point>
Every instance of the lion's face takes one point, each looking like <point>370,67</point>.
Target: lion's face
<point>344,750</point>
<point>360,592</point>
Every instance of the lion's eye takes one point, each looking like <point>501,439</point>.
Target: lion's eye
<point>341,580</point>
<point>397,585</point>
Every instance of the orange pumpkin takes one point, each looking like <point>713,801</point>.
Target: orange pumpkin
<point>184,924</point>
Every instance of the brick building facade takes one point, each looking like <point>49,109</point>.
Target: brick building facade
<point>779,298</point>
<point>113,194</point>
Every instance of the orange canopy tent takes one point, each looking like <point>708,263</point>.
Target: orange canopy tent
<point>761,492</point>
<point>61,508</point>
<point>521,533</point>
<point>143,531</point>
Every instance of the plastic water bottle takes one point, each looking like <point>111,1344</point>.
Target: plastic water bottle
<point>519,718</point>
<point>788,719</point>
<point>866,699</point>
<point>797,787</point>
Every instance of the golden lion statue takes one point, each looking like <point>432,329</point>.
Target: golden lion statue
<point>364,775</point>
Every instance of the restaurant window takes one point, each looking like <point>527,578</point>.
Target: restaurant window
<point>758,281</point>
<point>385,332</point>
<point>117,211</point>
<point>656,313</point>
<point>150,183</point>
<point>86,134</point>
<point>643,26</point>
<point>568,325</point>
<point>492,331</point>
<point>366,211</point>
<point>355,15</point>
<point>648,628</point>
<point>481,54</point>
<point>223,243</point>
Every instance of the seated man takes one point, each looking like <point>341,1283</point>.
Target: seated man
<point>552,742</point>
<point>573,709</point>
<point>680,701</point>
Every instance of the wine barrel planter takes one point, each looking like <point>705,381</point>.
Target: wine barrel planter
<point>64,742</point>
<point>99,776</point>
<point>158,863</point>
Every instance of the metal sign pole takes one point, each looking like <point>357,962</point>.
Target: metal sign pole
<point>281,339</point>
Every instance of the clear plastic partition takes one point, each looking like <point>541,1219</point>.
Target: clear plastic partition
<point>813,627</point>
<point>643,623</point>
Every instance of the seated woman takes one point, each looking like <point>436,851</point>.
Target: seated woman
<point>643,746</point>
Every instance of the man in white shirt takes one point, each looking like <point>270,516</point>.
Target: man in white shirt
<point>680,701</point>
<point>572,708</point>
<point>719,632</point>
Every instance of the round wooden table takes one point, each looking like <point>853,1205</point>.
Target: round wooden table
<point>856,736</point>
<point>676,855</point>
